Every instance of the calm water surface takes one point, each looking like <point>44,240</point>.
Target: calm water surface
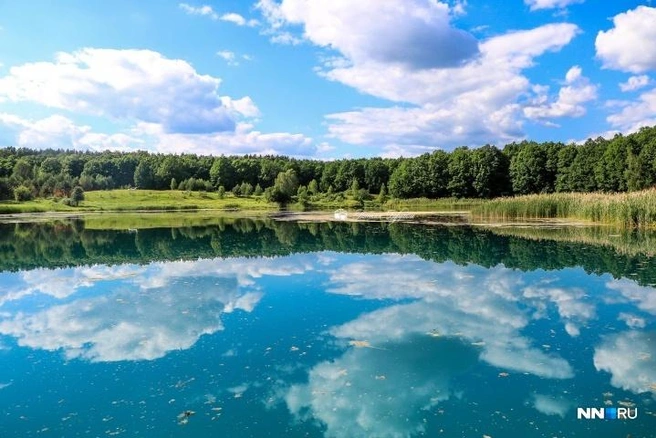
<point>266,329</point>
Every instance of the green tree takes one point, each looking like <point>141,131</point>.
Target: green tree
<point>528,170</point>
<point>63,186</point>
<point>144,175</point>
<point>285,187</point>
<point>170,168</point>
<point>355,188</point>
<point>609,169</point>
<point>258,190</point>
<point>74,165</point>
<point>50,166</point>
<point>328,175</point>
<point>581,175</point>
<point>287,182</point>
<point>461,173</point>
<point>221,192</point>
<point>313,187</point>
<point>6,189</point>
<point>174,184</point>
<point>490,168</point>
<point>438,175</point>
<point>246,189</point>
<point>23,170</point>
<point>648,163</point>
<point>401,182</point>
<point>564,180</point>
<point>222,173</point>
<point>376,173</point>
<point>382,195</point>
<point>636,178</point>
<point>77,195</point>
<point>302,197</point>
<point>347,171</point>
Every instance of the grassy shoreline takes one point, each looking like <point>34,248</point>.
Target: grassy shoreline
<point>628,210</point>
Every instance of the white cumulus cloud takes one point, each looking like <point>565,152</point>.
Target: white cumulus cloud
<point>629,45</point>
<point>167,105</point>
<point>630,358</point>
<point>576,91</point>
<point>205,10</point>
<point>413,33</point>
<point>449,88</point>
<point>550,4</point>
<point>550,405</point>
<point>208,11</point>
<point>635,83</point>
<point>133,85</point>
<point>449,301</point>
<point>473,104</point>
<point>633,115</point>
<point>57,131</point>
<point>239,20</point>
<point>148,312</point>
<point>231,58</point>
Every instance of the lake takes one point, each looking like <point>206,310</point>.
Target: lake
<point>255,328</point>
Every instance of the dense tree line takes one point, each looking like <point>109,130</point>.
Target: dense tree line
<point>623,163</point>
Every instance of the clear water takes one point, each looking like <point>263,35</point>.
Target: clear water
<point>282,330</point>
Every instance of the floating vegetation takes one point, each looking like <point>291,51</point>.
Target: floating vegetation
<point>183,417</point>
<point>182,383</point>
<point>360,344</point>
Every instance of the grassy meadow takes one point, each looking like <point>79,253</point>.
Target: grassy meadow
<point>141,200</point>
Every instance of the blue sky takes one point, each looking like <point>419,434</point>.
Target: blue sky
<point>324,79</point>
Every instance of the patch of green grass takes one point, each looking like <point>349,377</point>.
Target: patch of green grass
<point>125,200</point>
<point>34,206</point>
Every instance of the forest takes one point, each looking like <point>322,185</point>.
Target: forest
<point>621,164</point>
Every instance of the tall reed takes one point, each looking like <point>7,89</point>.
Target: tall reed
<point>636,209</point>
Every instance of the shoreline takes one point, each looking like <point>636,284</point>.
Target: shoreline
<point>435,217</point>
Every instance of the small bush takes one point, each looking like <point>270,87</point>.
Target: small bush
<point>22,193</point>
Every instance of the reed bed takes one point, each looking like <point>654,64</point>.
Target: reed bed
<point>635,209</point>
